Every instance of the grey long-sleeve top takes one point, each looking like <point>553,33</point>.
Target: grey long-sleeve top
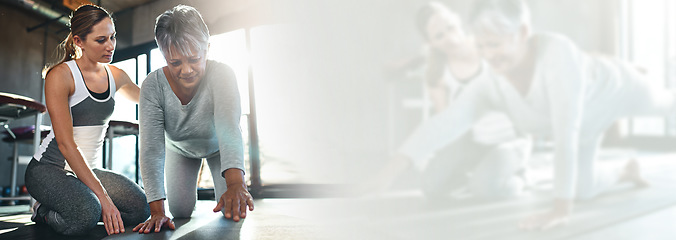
<point>207,125</point>
<point>572,95</point>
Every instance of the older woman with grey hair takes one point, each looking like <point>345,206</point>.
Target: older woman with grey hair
<point>189,110</point>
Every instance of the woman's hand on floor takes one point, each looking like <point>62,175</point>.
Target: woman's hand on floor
<point>157,219</point>
<point>154,224</point>
<point>111,216</point>
<point>235,200</point>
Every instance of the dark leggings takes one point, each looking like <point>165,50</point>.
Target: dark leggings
<point>71,208</point>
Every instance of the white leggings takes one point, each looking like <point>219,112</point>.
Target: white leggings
<point>181,177</point>
<point>638,98</point>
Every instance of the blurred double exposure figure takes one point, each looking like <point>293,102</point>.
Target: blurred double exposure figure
<point>495,84</point>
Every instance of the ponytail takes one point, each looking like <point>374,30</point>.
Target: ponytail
<point>66,51</point>
<point>71,51</point>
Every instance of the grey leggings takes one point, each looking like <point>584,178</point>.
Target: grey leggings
<point>181,179</point>
<point>71,208</point>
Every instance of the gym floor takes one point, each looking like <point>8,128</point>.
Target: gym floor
<point>271,219</point>
<point>623,213</point>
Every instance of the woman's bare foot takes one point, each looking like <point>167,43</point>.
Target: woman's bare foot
<point>632,173</point>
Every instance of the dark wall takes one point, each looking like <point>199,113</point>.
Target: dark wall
<point>21,61</point>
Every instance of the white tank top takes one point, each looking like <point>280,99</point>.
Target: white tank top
<point>90,121</point>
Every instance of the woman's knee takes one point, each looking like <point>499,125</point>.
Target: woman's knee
<point>182,209</point>
<point>143,212</point>
<point>181,212</point>
<point>138,214</point>
<point>181,202</point>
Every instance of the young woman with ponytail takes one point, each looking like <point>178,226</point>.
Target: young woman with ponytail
<point>72,193</point>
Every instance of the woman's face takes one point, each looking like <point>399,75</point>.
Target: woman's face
<point>186,70</point>
<point>504,51</point>
<point>99,45</point>
<point>444,31</point>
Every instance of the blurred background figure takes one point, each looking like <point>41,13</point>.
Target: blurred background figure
<point>488,160</point>
<point>549,88</point>
<point>552,88</point>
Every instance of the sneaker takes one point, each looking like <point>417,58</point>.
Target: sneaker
<point>37,218</point>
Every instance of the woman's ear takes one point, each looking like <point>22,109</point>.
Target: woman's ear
<point>77,41</point>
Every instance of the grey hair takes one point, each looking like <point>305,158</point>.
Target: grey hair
<point>502,16</point>
<point>183,28</point>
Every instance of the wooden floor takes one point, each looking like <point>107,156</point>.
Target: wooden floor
<point>624,213</point>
